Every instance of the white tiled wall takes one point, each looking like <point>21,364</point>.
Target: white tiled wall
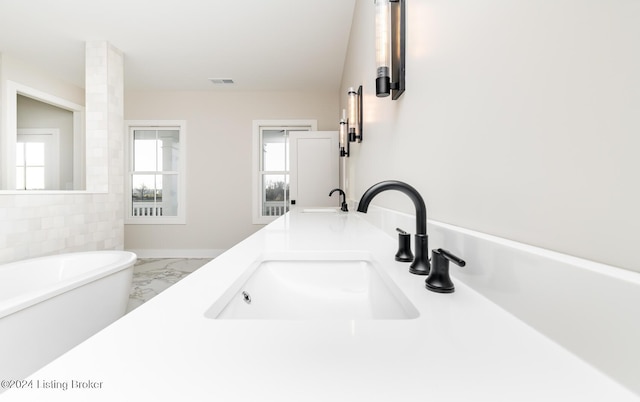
<point>33,225</point>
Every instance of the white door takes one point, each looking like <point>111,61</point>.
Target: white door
<point>313,158</point>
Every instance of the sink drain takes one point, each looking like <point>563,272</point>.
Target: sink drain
<point>247,297</point>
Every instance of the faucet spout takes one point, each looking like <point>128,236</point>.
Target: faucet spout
<point>418,202</point>
<point>420,265</point>
<point>343,198</point>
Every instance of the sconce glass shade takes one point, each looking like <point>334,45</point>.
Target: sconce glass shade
<point>342,134</point>
<point>390,48</point>
<point>344,141</point>
<point>383,47</point>
<point>355,114</point>
<point>353,109</point>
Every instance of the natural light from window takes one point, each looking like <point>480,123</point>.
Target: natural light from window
<point>155,174</point>
<point>30,166</point>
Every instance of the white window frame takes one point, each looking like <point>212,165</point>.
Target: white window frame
<point>180,218</point>
<point>258,125</point>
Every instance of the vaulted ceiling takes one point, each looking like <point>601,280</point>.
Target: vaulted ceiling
<point>181,44</point>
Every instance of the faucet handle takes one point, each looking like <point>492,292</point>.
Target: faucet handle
<point>439,280</point>
<point>404,253</point>
<point>447,254</point>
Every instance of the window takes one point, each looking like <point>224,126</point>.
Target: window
<point>271,166</point>
<point>37,159</point>
<point>155,179</point>
<point>30,166</point>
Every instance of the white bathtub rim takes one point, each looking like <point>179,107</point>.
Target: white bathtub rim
<point>27,299</point>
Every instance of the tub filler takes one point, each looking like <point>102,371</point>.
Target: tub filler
<point>48,305</point>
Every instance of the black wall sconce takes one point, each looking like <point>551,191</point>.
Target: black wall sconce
<point>343,135</point>
<point>390,48</point>
<point>355,114</point>
<point>351,126</point>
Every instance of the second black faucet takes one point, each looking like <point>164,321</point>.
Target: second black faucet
<point>343,197</point>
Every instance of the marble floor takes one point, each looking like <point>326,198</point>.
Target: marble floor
<point>153,275</point>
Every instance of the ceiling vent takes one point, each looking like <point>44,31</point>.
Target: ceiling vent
<point>221,81</point>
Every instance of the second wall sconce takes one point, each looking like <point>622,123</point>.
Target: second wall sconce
<point>355,114</point>
<point>344,135</point>
<point>390,48</point>
<point>351,121</point>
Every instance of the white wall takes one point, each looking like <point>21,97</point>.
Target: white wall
<point>33,225</point>
<point>219,130</point>
<point>520,120</point>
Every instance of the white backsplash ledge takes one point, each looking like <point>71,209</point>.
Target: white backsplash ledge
<point>591,309</point>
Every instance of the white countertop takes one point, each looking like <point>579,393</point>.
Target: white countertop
<point>461,348</point>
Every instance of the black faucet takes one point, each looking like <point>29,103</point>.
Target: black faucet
<point>420,265</point>
<point>343,196</point>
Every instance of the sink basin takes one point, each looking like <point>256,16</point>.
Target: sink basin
<point>300,286</point>
<point>319,210</point>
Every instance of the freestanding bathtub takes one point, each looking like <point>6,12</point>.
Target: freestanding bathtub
<point>48,305</point>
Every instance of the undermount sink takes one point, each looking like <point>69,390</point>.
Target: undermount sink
<point>319,210</point>
<point>321,286</point>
